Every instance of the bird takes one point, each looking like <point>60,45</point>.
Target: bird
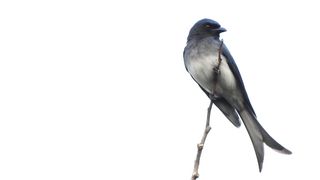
<point>211,65</point>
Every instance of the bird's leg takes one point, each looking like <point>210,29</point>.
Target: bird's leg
<point>195,173</point>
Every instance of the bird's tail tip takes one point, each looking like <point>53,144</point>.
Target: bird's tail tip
<point>284,151</point>
<point>260,167</point>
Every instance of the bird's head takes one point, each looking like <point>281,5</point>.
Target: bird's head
<point>205,28</point>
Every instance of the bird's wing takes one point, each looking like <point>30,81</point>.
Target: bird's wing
<point>228,111</point>
<point>233,66</point>
<point>224,106</point>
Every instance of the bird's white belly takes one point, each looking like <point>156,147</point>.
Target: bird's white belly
<point>202,70</point>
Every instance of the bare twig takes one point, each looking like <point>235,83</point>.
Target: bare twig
<point>216,69</point>
<point>200,146</point>
<point>195,173</point>
<point>219,54</point>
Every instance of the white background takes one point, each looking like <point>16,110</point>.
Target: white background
<point>98,90</point>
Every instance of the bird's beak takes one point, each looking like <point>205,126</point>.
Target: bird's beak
<point>221,29</point>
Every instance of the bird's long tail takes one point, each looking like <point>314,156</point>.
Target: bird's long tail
<point>259,135</point>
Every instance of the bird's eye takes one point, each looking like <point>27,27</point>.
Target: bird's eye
<point>208,26</point>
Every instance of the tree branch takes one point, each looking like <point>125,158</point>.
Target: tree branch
<point>195,173</point>
<point>200,146</point>
<point>216,69</point>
